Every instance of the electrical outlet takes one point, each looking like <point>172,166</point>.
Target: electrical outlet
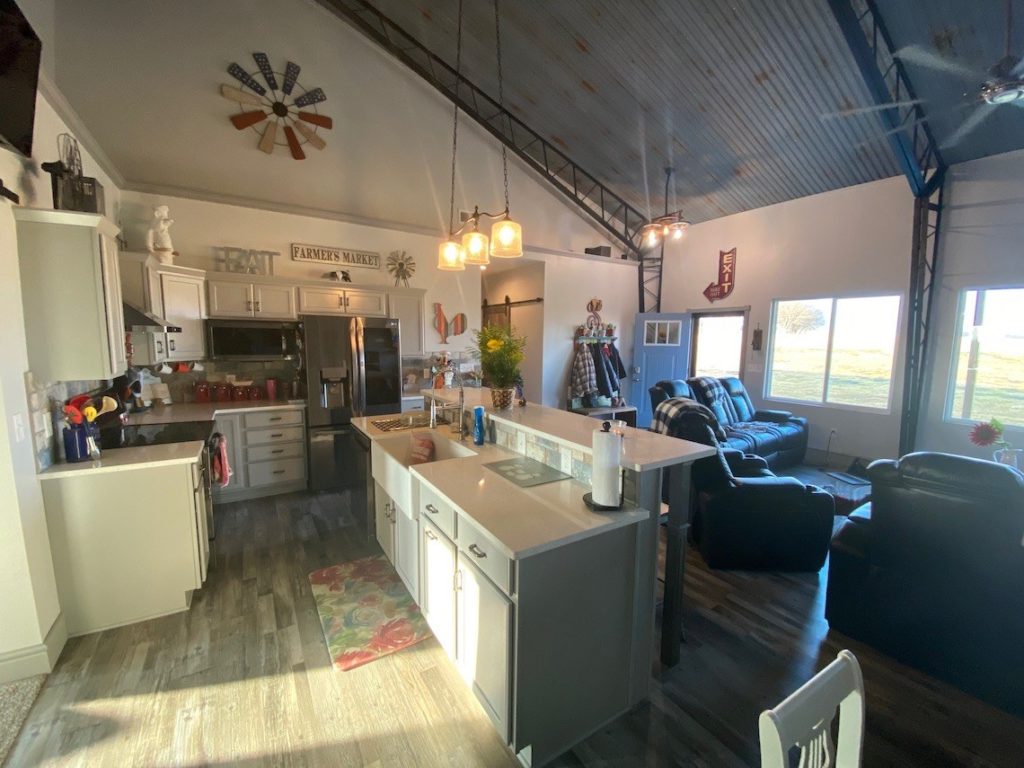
<point>18,421</point>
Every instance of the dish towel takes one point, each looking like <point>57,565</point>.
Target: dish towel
<point>221,469</point>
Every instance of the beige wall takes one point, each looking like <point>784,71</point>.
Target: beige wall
<point>848,242</point>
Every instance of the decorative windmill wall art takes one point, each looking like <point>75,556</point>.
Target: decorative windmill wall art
<point>401,266</point>
<point>282,113</point>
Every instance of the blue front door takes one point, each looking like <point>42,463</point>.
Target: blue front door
<point>661,350</point>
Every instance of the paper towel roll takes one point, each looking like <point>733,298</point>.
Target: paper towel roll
<point>605,475</point>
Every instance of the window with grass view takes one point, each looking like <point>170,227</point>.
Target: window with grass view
<point>835,350</point>
<point>989,372</point>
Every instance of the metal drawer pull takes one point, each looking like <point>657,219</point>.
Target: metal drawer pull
<point>430,535</point>
<point>279,471</point>
<point>432,509</point>
<point>277,434</point>
<point>477,551</point>
<point>278,450</point>
<point>275,418</point>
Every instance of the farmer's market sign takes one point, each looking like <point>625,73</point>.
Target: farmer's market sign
<point>341,257</point>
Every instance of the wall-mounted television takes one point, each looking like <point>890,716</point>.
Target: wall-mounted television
<point>20,51</point>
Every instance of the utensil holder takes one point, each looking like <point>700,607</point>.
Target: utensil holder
<point>76,446</point>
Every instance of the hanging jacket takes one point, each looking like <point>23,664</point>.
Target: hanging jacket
<point>607,384</point>
<point>583,380</point>
<point>620,370</point>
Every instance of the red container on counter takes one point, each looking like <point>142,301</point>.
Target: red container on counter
<point>255,393</point>
<point>239,393</point>
<point>271,389</point>
<point>202,392</point>
<point>221,392</point>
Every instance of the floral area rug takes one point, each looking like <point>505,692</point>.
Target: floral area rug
<point>366,611</point>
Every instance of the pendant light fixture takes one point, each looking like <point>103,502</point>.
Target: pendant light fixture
<point>506,240</point>
<point>670,225</point>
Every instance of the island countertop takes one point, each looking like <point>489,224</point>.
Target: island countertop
<point>522,521</point>
<point>642,450</point>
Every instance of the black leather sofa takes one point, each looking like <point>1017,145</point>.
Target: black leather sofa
<point>779,437</point>
<point>746,517</point>
<point>932,572</point>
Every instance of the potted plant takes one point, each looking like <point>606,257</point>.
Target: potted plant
<point>986,433</point>
<point>500,351</point>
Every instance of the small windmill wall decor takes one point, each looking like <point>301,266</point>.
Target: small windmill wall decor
<point>278,106</point>
<point>401,266</point>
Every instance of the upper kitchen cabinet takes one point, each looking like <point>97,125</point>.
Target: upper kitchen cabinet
<point>248,299</point>
<point>71,292</point>
<point>331,300</point>
<point>406,306</point>
<point>184,304</point>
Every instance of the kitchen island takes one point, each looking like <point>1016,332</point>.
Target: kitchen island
<point>545,606</point>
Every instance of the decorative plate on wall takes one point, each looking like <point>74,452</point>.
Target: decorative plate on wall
<point>282,113</point>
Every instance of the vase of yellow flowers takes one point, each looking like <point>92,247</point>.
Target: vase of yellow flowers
<point>500,351</point>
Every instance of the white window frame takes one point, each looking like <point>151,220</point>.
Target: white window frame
<point>961,300</point>
<point>824,403</point>
<point>668,333</point>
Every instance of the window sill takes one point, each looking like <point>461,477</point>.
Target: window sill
<point>831,406</point>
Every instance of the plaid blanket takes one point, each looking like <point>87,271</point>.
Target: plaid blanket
<point>670,413</point>
<point>713,394</point>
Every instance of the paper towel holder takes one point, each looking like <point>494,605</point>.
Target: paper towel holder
<point>588,498</point>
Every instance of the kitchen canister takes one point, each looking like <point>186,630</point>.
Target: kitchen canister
<point>76,443</point>
<point>605,477</point>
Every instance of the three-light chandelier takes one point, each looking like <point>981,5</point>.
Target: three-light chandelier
<point>467,244</point>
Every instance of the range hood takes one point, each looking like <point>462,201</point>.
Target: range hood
<point>138,321</point>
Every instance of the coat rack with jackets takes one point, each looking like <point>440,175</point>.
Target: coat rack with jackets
<point>597,372</point>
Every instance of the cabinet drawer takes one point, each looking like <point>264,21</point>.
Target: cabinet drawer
<point>280,471</point>
<point>438,511</point>
<point>481,550</point>
<point>272,418</point>
<point>273,452</point>
<point>274,435</point>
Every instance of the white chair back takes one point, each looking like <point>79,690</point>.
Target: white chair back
<point>804,719</point>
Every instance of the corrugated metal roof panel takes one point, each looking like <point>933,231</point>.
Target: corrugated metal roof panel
<point>730,94</point>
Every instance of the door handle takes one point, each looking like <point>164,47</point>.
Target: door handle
<point>248,304</point>
<point>159,347</point>
<point>170,343</point>
<point>477,552</point>
<point>432,509</point>
<point>258,304</point>
<point>341,300</point>
<point>430,534</point>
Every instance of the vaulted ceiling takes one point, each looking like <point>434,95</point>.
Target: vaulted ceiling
<point>739,97</point>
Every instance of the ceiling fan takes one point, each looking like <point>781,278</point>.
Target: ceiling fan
<point>1002,85</point>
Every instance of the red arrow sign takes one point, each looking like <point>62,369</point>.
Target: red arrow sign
<point>726,277</point>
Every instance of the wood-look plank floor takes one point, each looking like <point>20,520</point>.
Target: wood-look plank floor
<point>243,678</point>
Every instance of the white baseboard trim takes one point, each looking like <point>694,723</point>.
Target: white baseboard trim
<point>35,659</point>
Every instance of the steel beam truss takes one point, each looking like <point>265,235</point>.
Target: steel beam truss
<point>613,214</point>
<point>919,157</point>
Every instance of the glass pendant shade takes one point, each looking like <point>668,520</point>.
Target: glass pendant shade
<point>506,239</point>
<point>450,257</point>
<point>474,245</point>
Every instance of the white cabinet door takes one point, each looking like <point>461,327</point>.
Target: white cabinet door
<point>185,306</point>
<point>383,517</point>
<point>322,301</point>
<point>407,550</point>
<point>274,302</point>
<point>408,310</point>
<point>230,299</point>
<point>365,303</point>
<point>484,642</point>
<point>437,593</point>
<point>109,265</point>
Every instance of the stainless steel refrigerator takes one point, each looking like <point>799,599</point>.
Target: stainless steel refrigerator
<point>353,368</point>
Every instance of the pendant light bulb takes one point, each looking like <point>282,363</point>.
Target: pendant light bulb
<point>652,237</point>
<point>474,245</point>
<point>506,239</point>
<point>450,257</point>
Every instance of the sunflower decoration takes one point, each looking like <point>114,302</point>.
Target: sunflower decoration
<point>401,266</point>
<point>283,105</point>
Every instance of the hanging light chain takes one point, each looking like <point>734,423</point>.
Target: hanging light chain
<point>455,119</point>
<point>501,96</point>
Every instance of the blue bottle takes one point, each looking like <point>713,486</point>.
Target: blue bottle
<point>478,425</point>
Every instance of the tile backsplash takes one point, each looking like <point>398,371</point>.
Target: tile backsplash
<point>46,415</point>
<point>181,385</point>
<point>413,367</point>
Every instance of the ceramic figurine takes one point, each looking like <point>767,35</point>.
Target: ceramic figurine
<point>158,238</point>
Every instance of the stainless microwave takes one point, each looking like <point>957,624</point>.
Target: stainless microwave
<point>252,340</point>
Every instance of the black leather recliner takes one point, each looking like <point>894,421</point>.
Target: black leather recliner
<point>932,572</point>
<point>746,517</point>
<point>779,437</point>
